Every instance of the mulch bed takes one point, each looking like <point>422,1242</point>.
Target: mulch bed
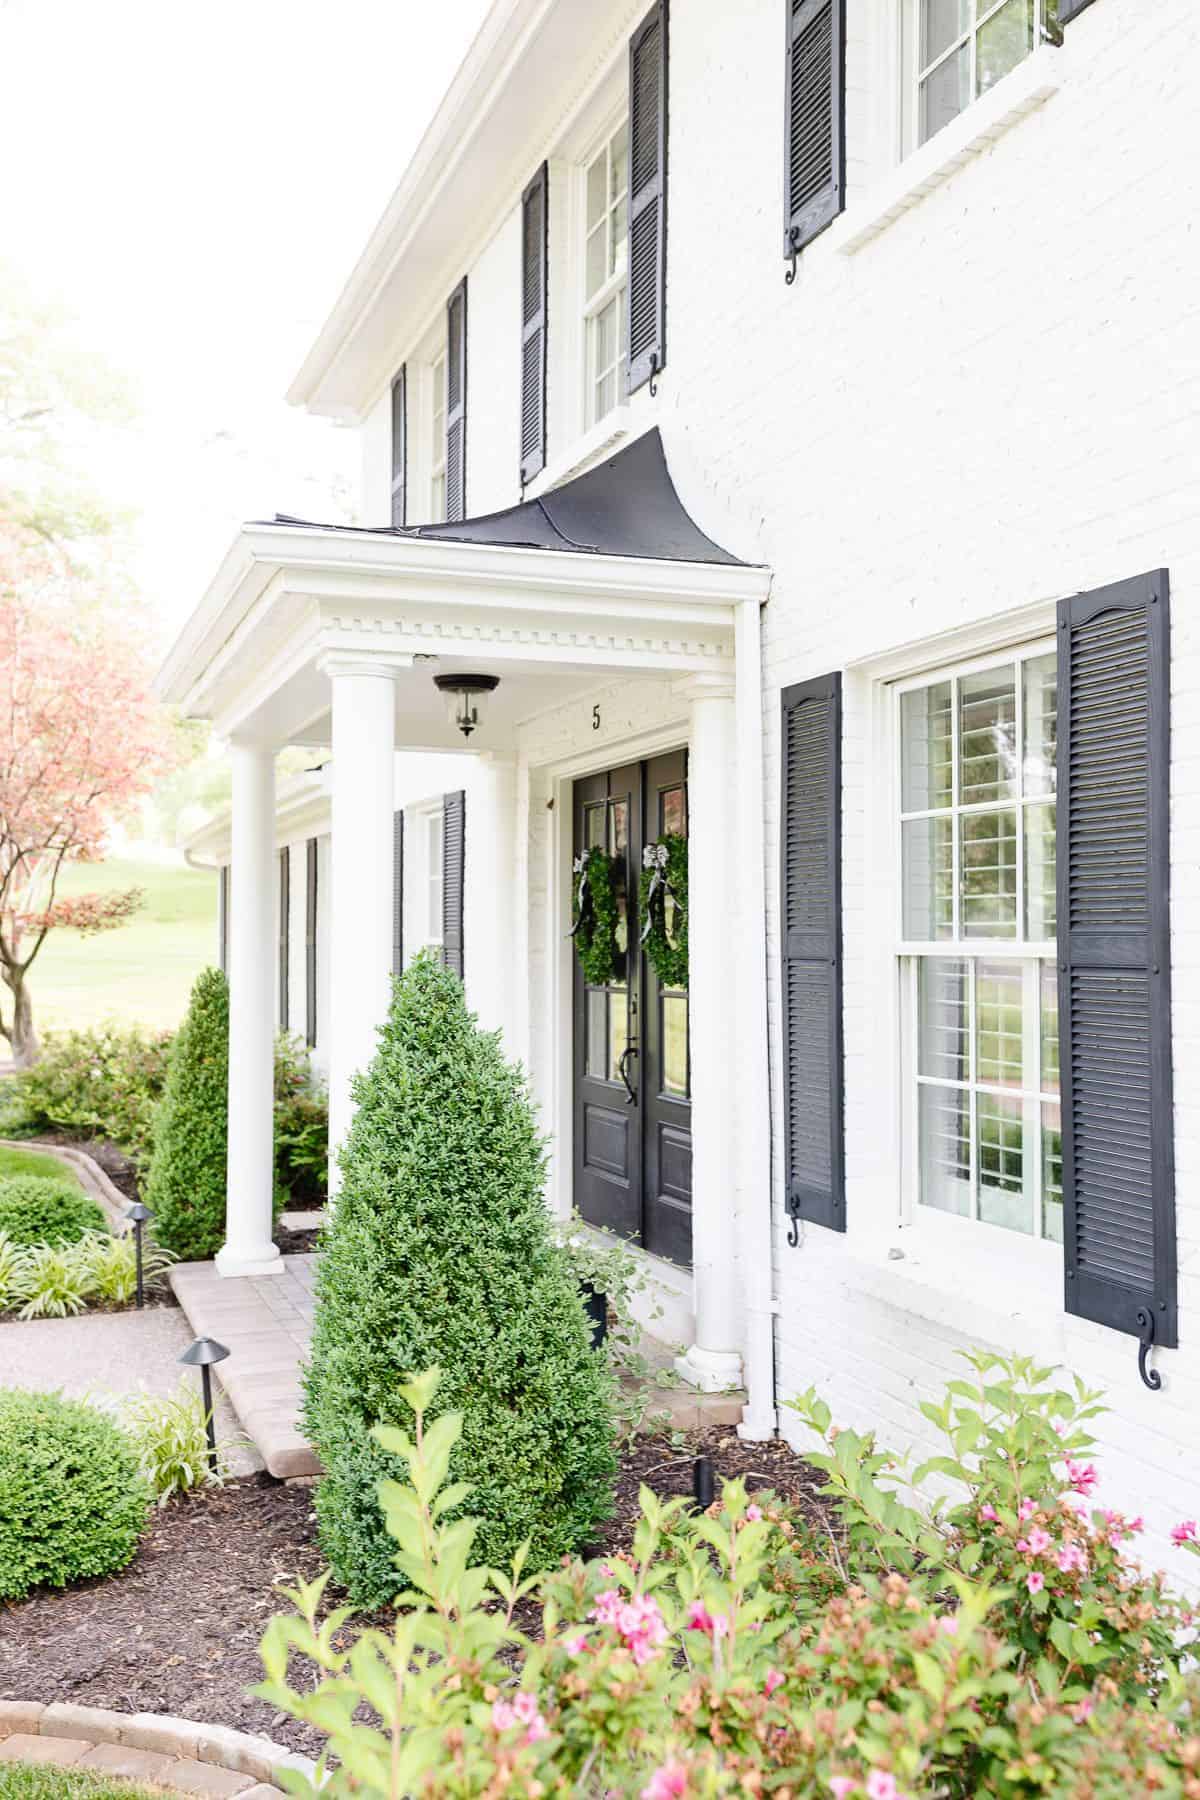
<point>178,1631</point>
<point>114,1162</point>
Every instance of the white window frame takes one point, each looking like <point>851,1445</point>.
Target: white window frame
<point>614,286</point>
<point>434,841</point>
<point>437,435</point>
<point>913,74</point>
<point>906,953</point>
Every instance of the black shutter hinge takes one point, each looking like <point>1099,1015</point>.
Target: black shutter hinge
<point>793,1213</point>
<point>654,374</point>
<point>1145,1322</point>
<point>793,253</point>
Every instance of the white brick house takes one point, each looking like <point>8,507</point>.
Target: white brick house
<point>978,396</point>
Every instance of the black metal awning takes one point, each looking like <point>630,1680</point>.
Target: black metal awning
<point>626,506</point>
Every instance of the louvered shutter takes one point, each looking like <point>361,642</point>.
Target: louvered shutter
<point>285,900</point>
<point>223,918</point>
<point>454,848</point>
<point>815,113</point>
<point>310,944</point>
<point>646,295</point>
<point>398,893</point>
<point>533,325</point>
<point>1114,985</point>
<point>456,403</point>
<point>400,448</point>
<point>1071,9</point>
<point>811,937</point>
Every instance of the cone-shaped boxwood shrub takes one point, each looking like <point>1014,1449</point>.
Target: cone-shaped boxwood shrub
<point>186,1186</point>
<point>73,1503</point>
<point>440,1253</point>
<point>36,1209</point>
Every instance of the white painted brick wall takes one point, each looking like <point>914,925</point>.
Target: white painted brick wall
<point>994,403</point>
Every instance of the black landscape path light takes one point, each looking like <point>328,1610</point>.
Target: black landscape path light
<point>702,1483</point>
<point>202,1355</point>
<point>137,1214</point>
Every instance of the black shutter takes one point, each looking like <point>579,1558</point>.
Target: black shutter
<point>400,447</point>
<point>454,847</point>
<point>534,306</point>
<point>310,945</point>
<point>1114,983</point>
<point>814,137</point>
<point>811,937</point>
<point>646,322</point>
<point>1071,9</point>
<point>223,918</point>
<point>398,893</point>
<point>456,403</point>
<point>285,901</point>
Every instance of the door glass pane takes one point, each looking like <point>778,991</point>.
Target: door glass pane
<point>593,827</point>
<point>945,92</point>
<point>1040,675</point>
<point>943,1044</point>
<point>987,737</point>
<point>999,1033</point>
<point>673,812</point>
<point>596,1001</point>
<point>945,1128</point>
<point>675,1044</point>
<point>1049,987</point>
<point>1041,900</point>
<point>1052,1202</point>
<point>926,748</point>
<point>618,1030</point>
<point>1004,41</point>
<point>1003,1199</point>
<point>619,811</point>
<point>928,879</point>
<point>989,874</point>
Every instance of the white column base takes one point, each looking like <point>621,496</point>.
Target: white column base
<point>712,1371</point>
<point>261,1259</point>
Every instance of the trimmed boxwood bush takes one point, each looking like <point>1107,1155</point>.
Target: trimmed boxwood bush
<point>36,1209</point>
<point>73,1503</point>
<point>186,1185</point>
<point>440,1253</point>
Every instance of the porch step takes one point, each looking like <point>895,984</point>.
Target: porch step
<point>663,1396</point>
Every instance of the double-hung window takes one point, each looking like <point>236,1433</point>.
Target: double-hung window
<point>437,440</point>
<point>958,49</point>
<point>606,264</point>
<point>434,876</point>
<point>977,942</point>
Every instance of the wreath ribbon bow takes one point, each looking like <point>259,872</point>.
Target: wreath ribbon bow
<point>656,858</point>
<point>583,894</point>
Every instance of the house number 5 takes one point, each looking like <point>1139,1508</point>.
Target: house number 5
<point>595,718</point>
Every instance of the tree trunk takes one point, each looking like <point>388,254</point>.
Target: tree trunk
<point>24,1039</point>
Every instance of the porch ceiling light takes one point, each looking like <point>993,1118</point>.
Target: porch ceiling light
<point>464,698</point>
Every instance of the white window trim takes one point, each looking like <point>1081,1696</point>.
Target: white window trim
<point>615,284</point>
<point>436,429</point>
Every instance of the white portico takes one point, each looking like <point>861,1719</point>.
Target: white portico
<point>331,638</point>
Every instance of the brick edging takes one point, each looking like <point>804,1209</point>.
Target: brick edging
<point>175,1752</point>
<point>95,1182</point>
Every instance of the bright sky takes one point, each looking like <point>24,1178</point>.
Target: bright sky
<point>194,184</point>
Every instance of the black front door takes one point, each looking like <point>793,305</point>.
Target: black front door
<point>633,1144</point>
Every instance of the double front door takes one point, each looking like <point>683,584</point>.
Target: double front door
<point>633,1139</point>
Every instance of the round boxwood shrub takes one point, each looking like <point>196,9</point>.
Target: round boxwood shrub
<point>72,1501</point>
<point>37,1209</point>
<point>441,1254</point>
<point>185,1189</point>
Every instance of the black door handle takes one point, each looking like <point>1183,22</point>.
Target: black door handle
<point>627,1052</point>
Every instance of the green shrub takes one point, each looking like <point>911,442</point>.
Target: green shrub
<point>53,1281</point>
<point>12,1263</point>
<point>170,1434</point>
<point>111,1265</point>
<point>185,1189</point>
<point>104,1082</point>
<point>73,1502</point>
<point>441,1252</point>
<point>34,1209</point>
<point>301,1126</point>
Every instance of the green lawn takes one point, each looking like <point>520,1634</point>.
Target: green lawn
<point>142,972</point>
<point>33,1162</point>
<point>27,1781</point>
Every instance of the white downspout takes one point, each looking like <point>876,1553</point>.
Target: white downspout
<point>761,1419</point>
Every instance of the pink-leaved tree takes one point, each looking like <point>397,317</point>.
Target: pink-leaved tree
<point>82,741</point>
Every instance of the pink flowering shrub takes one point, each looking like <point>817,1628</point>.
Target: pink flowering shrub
<point>1001,1644</point>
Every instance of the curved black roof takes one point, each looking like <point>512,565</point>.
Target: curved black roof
<point>626,506</point>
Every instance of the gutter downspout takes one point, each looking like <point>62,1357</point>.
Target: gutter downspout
<point>753,1090</point>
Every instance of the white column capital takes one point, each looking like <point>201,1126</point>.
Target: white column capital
<point>383,665</point>
<point>717,686</point>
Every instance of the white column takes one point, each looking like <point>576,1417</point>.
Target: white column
<point>714,1360</point>
<point>360,925</point>
<point>492,958</point>
<point>250,1176</point>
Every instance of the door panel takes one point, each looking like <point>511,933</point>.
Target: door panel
<point>633,1151</point>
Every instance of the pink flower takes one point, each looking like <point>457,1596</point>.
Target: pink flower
<point>1082,1476</point>
<point>1035,1581</point>
<point>1084,1709</point>
<point>1136,1525</point>
<point>521,1710</point>
<point>575,1646</point>
<point>525,1707</point>
<point>538,1729</point>
<point>1072,1556</point>
<point>1039,1541</point>
<point>503,1716</point>
<point>774,1680</point>
<point>754,1512</point>
<point>948,1626</point>
<point>988,1512</point>
<point>1184,1533</point>
<point>841,1785</point>
<point>700,1619</point>
<point>882,1786</point>
<point>1023,1546</point>
<point>1026,1509</point>
<point>608,1605</point>
<point>667,1783</point>
<point>638,1621</point>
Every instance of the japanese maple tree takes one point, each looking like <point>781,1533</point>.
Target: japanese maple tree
<point>82,740</point>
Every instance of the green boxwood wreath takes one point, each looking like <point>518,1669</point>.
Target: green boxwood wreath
<point>595,908</point>
<point>666,947</point>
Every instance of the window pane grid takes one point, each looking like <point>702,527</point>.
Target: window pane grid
<point>605,272</point>
<point>972,57</point>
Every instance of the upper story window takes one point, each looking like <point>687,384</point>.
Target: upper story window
<point>961,48</point>
<point>434,846</point>
<point>606,263</point>
<point>977,941</point>
<point>437,440</point>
